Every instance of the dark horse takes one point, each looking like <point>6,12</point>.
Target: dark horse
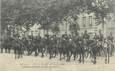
<point>99,50</point>
<point>62,48</point>
<point>53,48</point>
<point>94,50</point>
<point>18,48</point>
<point>7,45</point>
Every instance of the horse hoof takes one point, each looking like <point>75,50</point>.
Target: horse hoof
<point>67,60</point>
<point>94,62</point>
<point>50,58</point>
<point>42,56</point>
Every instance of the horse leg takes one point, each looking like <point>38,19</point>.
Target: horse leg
<point>94,59</point>
<point>55,53</point>
<point>87,53</point>
<point>36,54</point>
<point>64,55</point>
<point>28,51</point>
<point>1,49</point>
<point>60,56</point>
<point>105,58</point>
<point>42,51</point>
<point>108,58</point>
<point>50,53</point>
<point>42,54</point>
<point>70,55</point>
<point>111,51</point>
<point>38,50</point>
<point>74,55</point>
<point>67,57</point>
<point>108,55</point>
<point>31,51</point>
<point>80,58</point>
<point>19,52</point>
<point>5,49</point>
<point>22,52</point>
<point>83,57</point>
<point>35,50</point>
<point>77,55</point>
<point>8,49</point>
<point>50,56</point>
<point>15,52</point>
<point>91,55</point>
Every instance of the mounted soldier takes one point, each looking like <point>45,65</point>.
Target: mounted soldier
<point>86,35</point>
<point>62,46</point>
<point>7,44</point>
<point>38,43</point>
<point>53,46</point>
<point>110,39</point>
<point>93,51</point>
<point>43,44</point>
<point>85,39</point>
<point>95,37</point>
<point>46,41</point>
<point>29,45</point>
<point>25,43</point>
<point>100,40</point>
<point>34,45</point>
<point>80,49</point>
<point>71,47</point>
<point>107,49</point>
<point>100,36</point>
<point>18,46</point>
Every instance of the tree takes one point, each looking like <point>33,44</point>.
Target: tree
<point>25,13</point>
<point>55,28</point>
<point>74,26</point>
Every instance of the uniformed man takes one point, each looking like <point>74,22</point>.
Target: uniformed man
<point>110,37</point>
<point>86,35</point>
<point>95,37</point>
<point>100,37</point>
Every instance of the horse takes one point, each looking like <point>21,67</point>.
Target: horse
<point>107,51</point>
<point>7,45</point>
<point>53,47</point>
<point>18,48</point>
<point>112,48</point>
<point>71,49</point>
<point>42,46</point>
<point>62,48</point>
<point>94,51</point>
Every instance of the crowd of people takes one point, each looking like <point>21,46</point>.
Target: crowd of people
<point>80,46</point>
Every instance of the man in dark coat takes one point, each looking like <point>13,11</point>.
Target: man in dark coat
<point>110,37</point>
<point>86,35</point>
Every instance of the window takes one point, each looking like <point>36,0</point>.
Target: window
<point>84,21</point>
<point>90,21</point>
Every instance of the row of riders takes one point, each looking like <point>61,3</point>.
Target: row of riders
<point>66,47</point>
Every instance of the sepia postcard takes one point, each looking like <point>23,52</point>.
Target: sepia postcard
<point>57,35</point>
